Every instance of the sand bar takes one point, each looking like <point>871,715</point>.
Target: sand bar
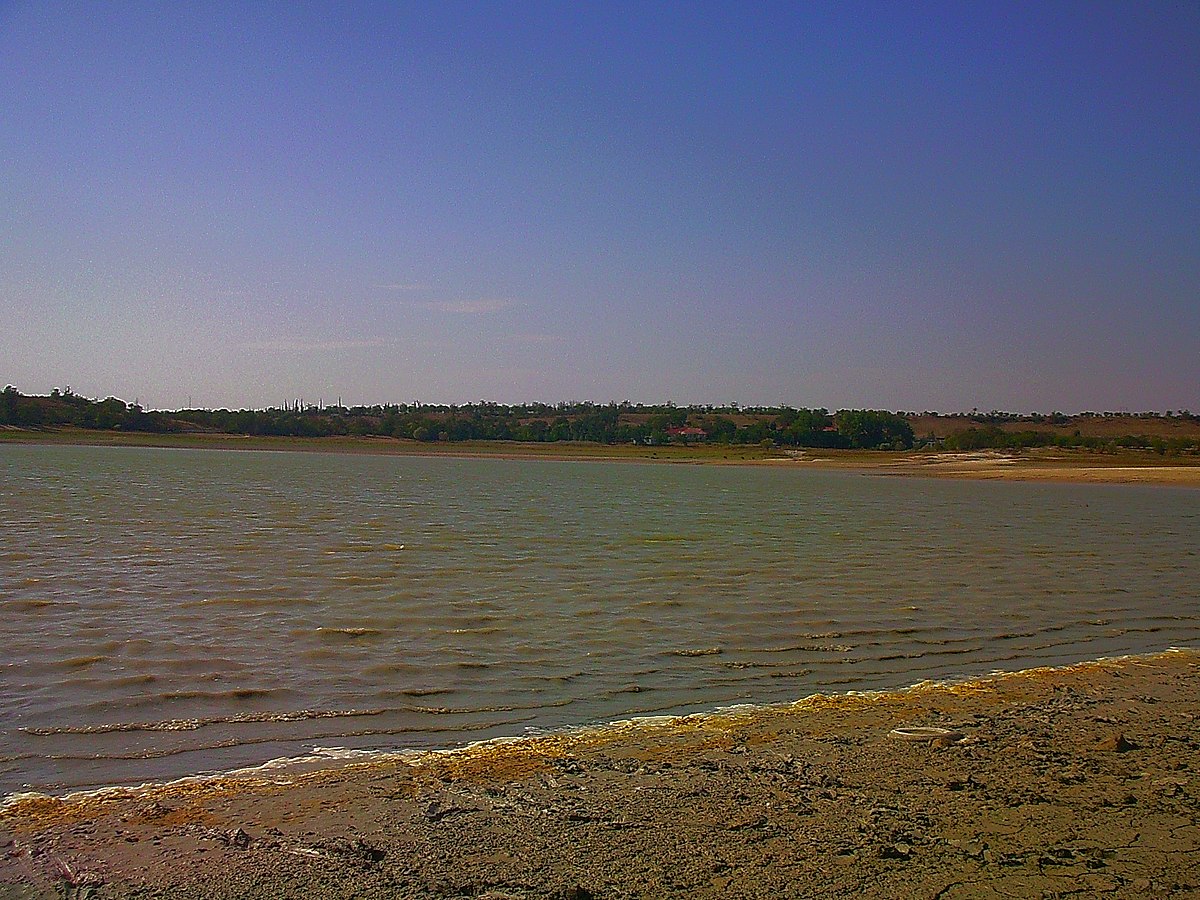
<point>1064,781</point>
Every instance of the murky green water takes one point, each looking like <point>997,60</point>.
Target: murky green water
<point>174,611</point>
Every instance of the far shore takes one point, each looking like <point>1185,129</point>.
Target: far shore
<point>1074,466</point>
<point>1049,782</point>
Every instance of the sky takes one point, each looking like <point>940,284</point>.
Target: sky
<point>908,206</point>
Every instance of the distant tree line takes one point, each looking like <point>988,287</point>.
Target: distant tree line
<point>67,408</point>
<point>613,423</point>
<point>993,438</point>
<point>1057,418</point>
<point>604,424</point>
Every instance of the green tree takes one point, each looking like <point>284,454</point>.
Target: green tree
<point>8,405</point>
<point>874,429</point>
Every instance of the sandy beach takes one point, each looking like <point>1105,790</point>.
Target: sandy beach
<point>1051,782</point>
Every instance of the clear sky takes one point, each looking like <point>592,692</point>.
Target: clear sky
<point>894,205</point>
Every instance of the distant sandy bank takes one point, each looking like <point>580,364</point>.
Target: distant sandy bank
<point>1051,781</point>
<point>1077,468</point>
<point>1081,467</point>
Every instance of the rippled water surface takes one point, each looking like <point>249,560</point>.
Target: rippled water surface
<point>176,611</point>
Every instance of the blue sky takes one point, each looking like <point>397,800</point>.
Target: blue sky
<point>907,206</point>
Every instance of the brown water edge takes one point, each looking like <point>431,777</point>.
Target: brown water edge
<point>1039,464</point>
<point>1065,780</point>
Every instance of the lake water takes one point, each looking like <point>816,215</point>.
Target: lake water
<point>175,611</point>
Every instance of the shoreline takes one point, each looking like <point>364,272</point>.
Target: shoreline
<point>1053,764</point>
<point>330,759</point>
<point>1060,466</point>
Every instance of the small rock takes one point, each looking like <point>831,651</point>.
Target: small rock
<point>153,810</point>
<point>926,734</point>
<point>899,850</point>
<point>435,812</point>
<point>1116,743</point>
<point>238,839</point>
<point>356,851</point>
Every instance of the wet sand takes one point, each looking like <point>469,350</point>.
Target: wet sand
<point>1058,781</point>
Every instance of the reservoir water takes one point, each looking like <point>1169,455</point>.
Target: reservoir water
<point>166,612</point>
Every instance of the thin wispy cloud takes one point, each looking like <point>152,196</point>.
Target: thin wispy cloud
<point>537,338</point>
<point>470,307</point>
<point>300,345</point>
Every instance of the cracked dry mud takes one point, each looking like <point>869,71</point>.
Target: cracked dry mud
<point>1074,782</point>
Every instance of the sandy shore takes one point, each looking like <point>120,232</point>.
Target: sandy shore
<point>1059,466</point>
<point>1072,781</point>
<point>1129,467</point>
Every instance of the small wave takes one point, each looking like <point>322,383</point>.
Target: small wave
<point>252,741</point>
<point>222,696</point>
<point>698,651</point>
<point>354,632</point>
<point>394,668</point>
<point>28,605</point>
<point>810,648</point>
<point>79,662</point>
<point>922,654</point>
<point>743,664</point>
<point>239,693</point>
<point>553,677</point>
<point>128,680</point>
<point>475,710</point>
<point>195,724</point>
<point>249,600</point>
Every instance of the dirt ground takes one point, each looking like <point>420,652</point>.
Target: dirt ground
<point>1057,782</point>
